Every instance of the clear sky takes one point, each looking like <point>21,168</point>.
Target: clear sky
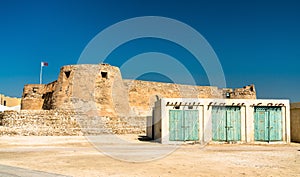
<point>256,41</point>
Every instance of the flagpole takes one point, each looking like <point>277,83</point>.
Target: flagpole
<point>41,73</point>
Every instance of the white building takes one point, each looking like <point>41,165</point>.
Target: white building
<point>180,120</point>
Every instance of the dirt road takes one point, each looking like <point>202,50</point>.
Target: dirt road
<point>76,156</point>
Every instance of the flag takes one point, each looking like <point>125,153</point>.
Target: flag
<point>44,63</point>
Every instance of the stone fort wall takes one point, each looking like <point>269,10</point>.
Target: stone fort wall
<point>94,99</point>
<point>66,123</point>
<point>100,88</point>
<point>39,123</point>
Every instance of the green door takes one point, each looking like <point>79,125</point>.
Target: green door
<point>191,125</point>
<point>226,123</point>
<point>275,124</point>
<point>219,123</point>
<point>183,125</point>
<point>268,124</point>
<point>261,124</point>
<point>233,116</point>
<point>176,125</point>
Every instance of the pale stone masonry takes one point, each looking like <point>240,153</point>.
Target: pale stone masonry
<point>65,123</point>
<point>103,85</point>
<point>39,123</point>
<point>94,99</point>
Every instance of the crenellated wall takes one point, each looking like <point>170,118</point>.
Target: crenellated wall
<point>247,92</point>
<point>32,98</point>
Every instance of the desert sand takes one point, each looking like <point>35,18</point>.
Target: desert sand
<point>78,156</point>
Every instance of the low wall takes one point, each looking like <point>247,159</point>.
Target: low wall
<point>66,123</point>
<point>128,125</point>
<point>39,123</point>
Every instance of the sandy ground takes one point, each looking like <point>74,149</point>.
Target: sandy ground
<point>76,156</point>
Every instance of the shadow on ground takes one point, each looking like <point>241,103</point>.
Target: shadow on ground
<point>144,138</point>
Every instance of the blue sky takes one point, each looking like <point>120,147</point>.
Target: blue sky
<point>256,41</point>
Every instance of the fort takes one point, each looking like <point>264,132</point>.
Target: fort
<point>96,99</point>
<point>103,84</point>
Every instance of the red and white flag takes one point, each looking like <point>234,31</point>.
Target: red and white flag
<point>44,63</point>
